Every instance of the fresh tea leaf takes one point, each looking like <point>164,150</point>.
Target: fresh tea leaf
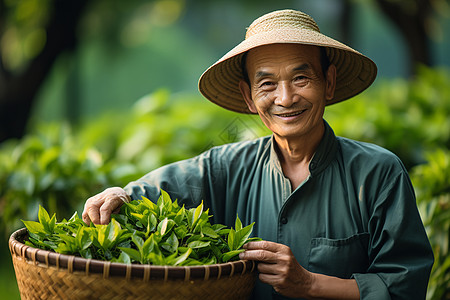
<point>238,224</point>
<point>180,259</point>
<point>231,239</point>
<point>163,226</point>
<point>208,231</point>
<point>171,244</point>
<point>242,235</point>
<point>107,234</point>
<point>152,206</point>
<point>44,219</point>
<point>132,253</point>
<point>198,244</point>
<point>34,227</point>
<point>197,213</point>
<point>231,254</point>
<point>162,234</point>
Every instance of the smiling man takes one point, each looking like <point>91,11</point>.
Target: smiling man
<point>289,90</point>
<point>338,217</point>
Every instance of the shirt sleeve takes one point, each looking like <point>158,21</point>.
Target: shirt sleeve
<point>399,251</point>
<point>188,181</point>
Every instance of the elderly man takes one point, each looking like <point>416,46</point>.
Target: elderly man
<point>338,217</point>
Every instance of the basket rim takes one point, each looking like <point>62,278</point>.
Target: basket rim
<point>72,263</point>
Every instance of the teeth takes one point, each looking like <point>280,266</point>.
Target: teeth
<point>292,114</point>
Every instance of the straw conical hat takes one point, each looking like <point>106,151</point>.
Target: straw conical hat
<point>220,82</point>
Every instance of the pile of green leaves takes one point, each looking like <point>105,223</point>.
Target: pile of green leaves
<point>144,232</point>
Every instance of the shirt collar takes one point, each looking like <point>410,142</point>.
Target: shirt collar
<point>325,152</point>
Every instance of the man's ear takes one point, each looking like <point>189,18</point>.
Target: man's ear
<point>247,95</point>
<point>330,82</point>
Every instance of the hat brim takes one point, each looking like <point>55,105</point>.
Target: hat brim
<point>220,82</point>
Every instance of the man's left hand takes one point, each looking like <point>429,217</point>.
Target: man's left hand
<point>279,268</point>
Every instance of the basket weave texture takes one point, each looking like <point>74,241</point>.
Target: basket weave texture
<point>44,274</point>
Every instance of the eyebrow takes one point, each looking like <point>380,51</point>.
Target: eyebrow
<point>261,74</point>
<point>302,67</point>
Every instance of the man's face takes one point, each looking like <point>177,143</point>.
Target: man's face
<point>287,88</point>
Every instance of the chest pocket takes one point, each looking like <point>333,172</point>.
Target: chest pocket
<point>339,257</point>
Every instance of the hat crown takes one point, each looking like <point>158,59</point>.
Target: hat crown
<point>282,19</point>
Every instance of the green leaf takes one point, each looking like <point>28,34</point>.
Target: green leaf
<point>242,235</point>
<point>44,219</point>
<point>86,253</point>
<point>231,239</point>
<point>208,231</point>
<point>132,253</point>
<point>198,244</point>
<point>52,223</point>
<point>107,234</point>
<point>238,224</point>
<point>122,219</point>
<point>223,232</point>
<point>163,226</point>
<point>143,219</point>
<point>151,245</point>
<point>123,258</point>
<point>181,231</point>
<point>216,251</point>
<point>171,243</point>
<point>83,238</point>
<point>231,254</point>
<point>180,259</point>
<point>64,248</point>
<point>138,241</point>
<point>197,214</point>
<point>179,217</point>
<point>152,206</point>
<point>34,227</point>
<point>167,202</point>
<point>153,221</point>
<point>253,239</point>
<point>155,259</point>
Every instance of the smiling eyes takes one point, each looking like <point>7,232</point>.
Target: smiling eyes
<point>267,84</point>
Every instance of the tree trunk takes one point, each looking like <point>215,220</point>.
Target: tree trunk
<point>17,91</point>
<point>410,18</point>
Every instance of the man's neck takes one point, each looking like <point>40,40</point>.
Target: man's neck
<point>295,153</point>
<point>299,149</point>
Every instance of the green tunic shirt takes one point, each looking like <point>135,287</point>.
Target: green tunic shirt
<point>355,216</point>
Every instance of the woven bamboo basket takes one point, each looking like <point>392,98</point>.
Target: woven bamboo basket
<point>44,274</point>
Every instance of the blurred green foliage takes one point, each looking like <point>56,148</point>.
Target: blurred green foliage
<point>59,166</point>
<point>406,117</point>
<point>432,185</point>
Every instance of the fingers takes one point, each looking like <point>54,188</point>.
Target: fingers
<point>263,251</point>
<point>98,208</point>
<point>259,255</point>
<point>110,204</point>
<point>278,267</point>
<point>263,245</point>
<point>90,213</point>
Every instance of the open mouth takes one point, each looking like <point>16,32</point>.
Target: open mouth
<point>293,114</point>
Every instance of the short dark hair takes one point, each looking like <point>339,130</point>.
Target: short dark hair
<point>324,63</point>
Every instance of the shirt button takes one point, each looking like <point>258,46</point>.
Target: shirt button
<point>312,165</point>
<point>284,220</point>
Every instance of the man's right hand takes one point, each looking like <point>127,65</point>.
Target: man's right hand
<point>99,208</point>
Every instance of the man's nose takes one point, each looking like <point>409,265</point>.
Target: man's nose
<point>286,95</point>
